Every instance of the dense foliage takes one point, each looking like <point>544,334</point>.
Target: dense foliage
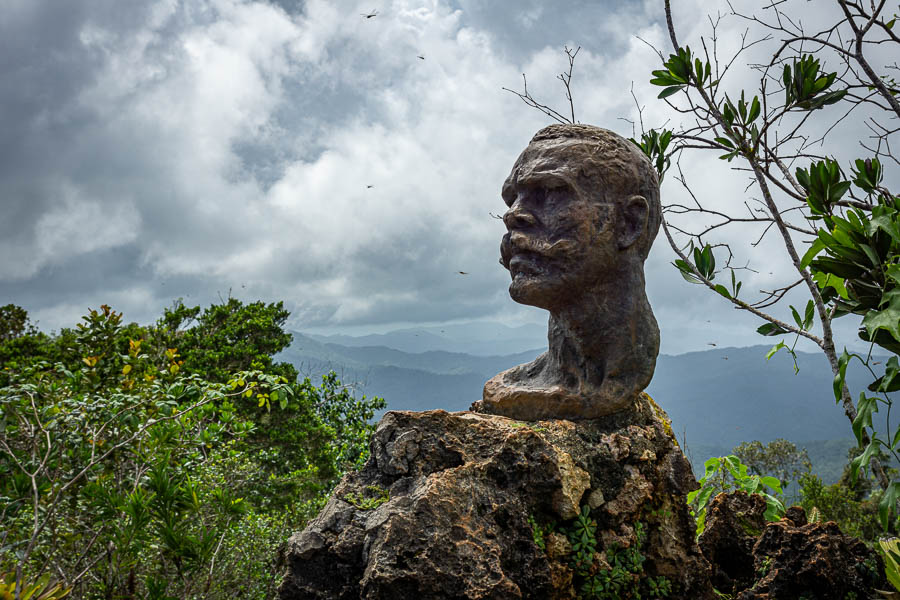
<point>164,461</point>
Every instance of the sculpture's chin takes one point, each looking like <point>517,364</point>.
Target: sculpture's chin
<point>529,290</point>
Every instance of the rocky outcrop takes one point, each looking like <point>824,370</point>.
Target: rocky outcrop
<point>755,560</point>
<point>466,505</point>
<point>733,524</point>
<point>797,559</point>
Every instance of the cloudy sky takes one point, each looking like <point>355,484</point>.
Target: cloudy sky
<point>298,151</point>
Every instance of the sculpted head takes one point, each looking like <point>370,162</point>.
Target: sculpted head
<point>583,211</point>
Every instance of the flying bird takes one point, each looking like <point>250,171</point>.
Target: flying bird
<point>374,13</point>
<point>462,272</point>
<point>420,56</point>
<point>710,344</point>
<point>369,187</point>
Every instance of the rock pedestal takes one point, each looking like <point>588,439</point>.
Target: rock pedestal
<point>472,506</point>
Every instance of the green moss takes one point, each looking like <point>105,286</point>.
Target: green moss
<point>371,498</point>
<point>532,426</point>
<point>662,416</point>
<point>747,527</point>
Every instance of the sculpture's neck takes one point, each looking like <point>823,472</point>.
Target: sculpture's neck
<point>606,339</point>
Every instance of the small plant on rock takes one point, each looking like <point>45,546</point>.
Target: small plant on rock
<point>540,532</point>
<point>728,473</point>
<point>622,575</point>
<point>370,499</point>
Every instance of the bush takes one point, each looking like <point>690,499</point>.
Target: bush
<point>122,474</point>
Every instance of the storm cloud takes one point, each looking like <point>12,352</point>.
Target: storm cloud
<point>298,151</point>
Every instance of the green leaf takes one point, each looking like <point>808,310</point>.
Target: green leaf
<point>723,290</point>
<point>886,222</point>
<point>708,260</point>
<point>735,284</point>
<point>725,142</point>
<point>896,439</point>
<point>703,497</point>
<point>769,329</point>
<point>733,463</point>
<point>889,382</point>
<point>862,461</point>
<point>826,280</point>
<point>887,318</point>
<point>664,78</point>
<point>837,191</point>
<point>809,315</point>
<point>775,349</point>
<point>774,508</point>
<point>796,316</point>
<point>686,272</point>
<point>840,268</point>
<point>669,91</point>
<point>892,560</point>
<point>866,406</point>
<point>838,383</point>
<point>754,110</point>
<point>888,501</point>
<point>728,112</point>
<point>772,482</point>
<point>710,467</point>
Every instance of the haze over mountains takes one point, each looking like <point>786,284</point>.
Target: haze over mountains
<point>477,339</point>
<point>716,398</point>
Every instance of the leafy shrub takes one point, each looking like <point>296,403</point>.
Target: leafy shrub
<point>130,475</point>
<point>726,474</point>
<point>855,515</point>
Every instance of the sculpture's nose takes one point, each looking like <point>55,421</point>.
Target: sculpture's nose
<point>518,217</point>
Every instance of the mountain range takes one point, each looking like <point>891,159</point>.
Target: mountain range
<point>716,398</point>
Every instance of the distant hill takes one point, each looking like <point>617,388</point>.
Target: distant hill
<point>478,339</point>
<point>408,381</point>
<point>716,398</point>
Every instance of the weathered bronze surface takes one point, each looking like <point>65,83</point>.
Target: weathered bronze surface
<point>583,212</point>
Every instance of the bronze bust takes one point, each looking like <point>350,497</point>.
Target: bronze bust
<point>583,212</point>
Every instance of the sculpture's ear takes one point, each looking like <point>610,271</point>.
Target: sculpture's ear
<point>632,221</point>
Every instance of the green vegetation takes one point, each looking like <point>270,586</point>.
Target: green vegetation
<point>616,572</point>
<point>371,498</point>
<point>726,474</point>
<point>845,245</point>
<point>622,575</point>
<point>163,461</point>
<point>890,553</point>
<point>779,458</point>
<point>850,502</point>
<point>540,532</point>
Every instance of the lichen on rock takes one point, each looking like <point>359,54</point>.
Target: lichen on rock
<point>463,491</point>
